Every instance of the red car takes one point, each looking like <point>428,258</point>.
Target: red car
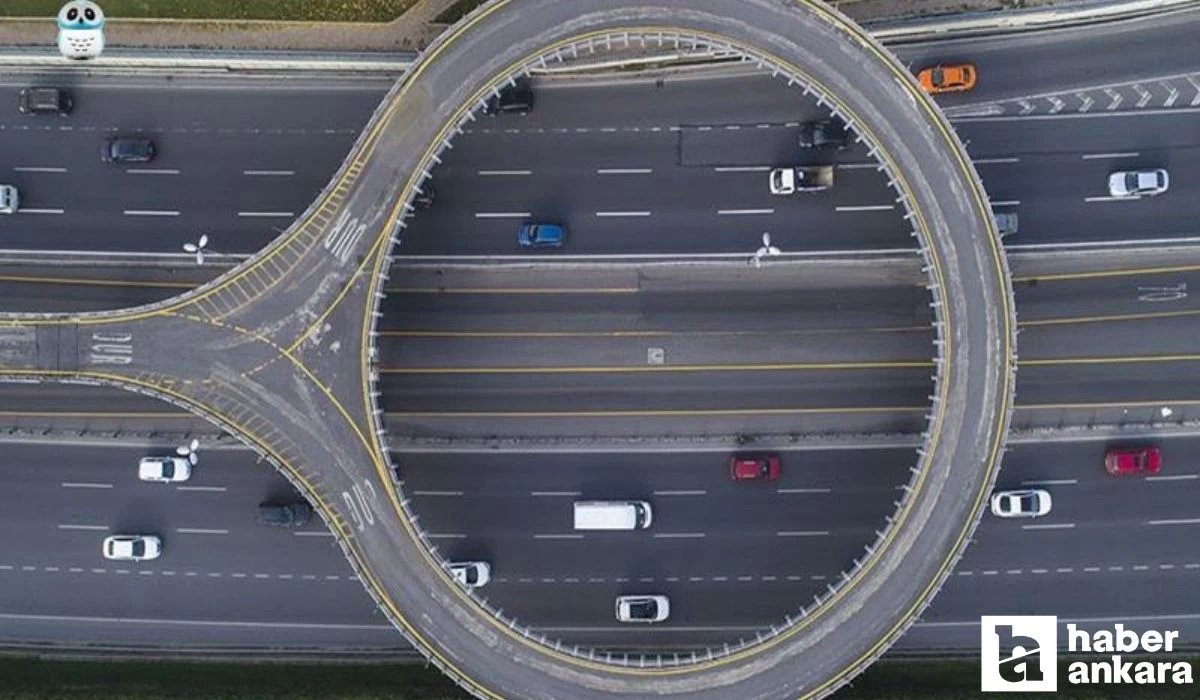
<point>1133,460</point>
<point>754,467</point>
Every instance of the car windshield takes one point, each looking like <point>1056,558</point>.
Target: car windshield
<point>138,548</point>
<point>1027,503</point>
<point>168,469</point>
<point>643,609</point>
<point>1131,181</point>
<point>939,76</point>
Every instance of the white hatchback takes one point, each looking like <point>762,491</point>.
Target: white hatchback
<point>164,470</point>
<point>643,608</point>
<point>1029,503</point>
<point>131,547</point>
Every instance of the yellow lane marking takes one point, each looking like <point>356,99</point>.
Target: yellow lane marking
<point>641,413</point>
<point>1107,404</point>
<point>664,413</point>
<point>1110,318</point>
<point>1116,360</point>
<point>97,414</point>
<point>646,333</point>
<point>633,369</point>
<point>96,282</point>
<point>513,290</point>
<point>1097,274</point>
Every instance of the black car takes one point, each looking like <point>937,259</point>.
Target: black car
<point>45,100</point>
<point>123,149</point>
<point>828,134</point>
<point>293,514</point>
<point>514,99</point>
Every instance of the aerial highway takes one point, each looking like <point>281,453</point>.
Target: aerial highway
<point>1114,553</point>
<point>506,508</point>
<point>251,361</point>
<point>1068,356</point>
<point>238,153</point>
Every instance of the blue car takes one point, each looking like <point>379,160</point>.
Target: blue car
<point>541,236</point>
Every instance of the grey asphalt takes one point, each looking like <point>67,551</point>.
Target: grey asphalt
<point>259,586</point>
<point>1132,216</point>
<point>969,423</point>
<point>212,130</point>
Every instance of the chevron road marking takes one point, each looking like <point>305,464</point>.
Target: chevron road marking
<point>1085,100</point>
<point>1172,94</point>
<point>1196,86</point>
<point>1143,95</point>
<point>1114,96</point>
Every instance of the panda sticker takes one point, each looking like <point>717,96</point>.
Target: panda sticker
<point>80,30</point>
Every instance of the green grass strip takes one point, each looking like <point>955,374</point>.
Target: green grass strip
<point>327,11</point>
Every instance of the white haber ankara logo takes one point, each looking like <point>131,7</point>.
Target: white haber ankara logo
<point>1018,653</point>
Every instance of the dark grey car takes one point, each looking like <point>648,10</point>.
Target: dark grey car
<point>124,149</point>
<point>295,514</point>
<point>45,100</point>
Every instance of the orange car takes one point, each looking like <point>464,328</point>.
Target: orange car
<point>937,79</point>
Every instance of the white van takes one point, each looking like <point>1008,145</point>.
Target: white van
<point>612,515</point>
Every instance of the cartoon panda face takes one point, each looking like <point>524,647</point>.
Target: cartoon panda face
<point>80,15</point>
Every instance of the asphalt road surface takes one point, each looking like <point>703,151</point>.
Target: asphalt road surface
<point>1003,565</point>
<point>1111,548</point>
<point>239,157</point>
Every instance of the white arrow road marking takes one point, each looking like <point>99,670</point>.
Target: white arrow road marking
<point>1172,95</point>
<point>1026,106</point>
<point>1116,98</point>
<point>1086,101</point>
<point>1057,104</point>
<point>1195,86</point>
<point>1143,95</point>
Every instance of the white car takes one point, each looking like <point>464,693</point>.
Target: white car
<point>10,199</point>
<point>131,547</point>
<point>164,470</point>
<point>472,574</point>
<point>642,608</point>
<point>1029,503</point>
<point>1138,183</point>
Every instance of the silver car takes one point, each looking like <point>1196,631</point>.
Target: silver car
<point>1138,183</point>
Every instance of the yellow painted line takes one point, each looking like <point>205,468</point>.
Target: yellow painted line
<point>1098,274</point>
<point>1110,318</point>
<point>664,413</point>
<point>512,290</point>
<point>97,414</point>
<point>638,413</point>
<point>1116,360</point>
<point>650,369</point>
<point>1079,406</point>
<point>647,333</point>
<point>96,282</point>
